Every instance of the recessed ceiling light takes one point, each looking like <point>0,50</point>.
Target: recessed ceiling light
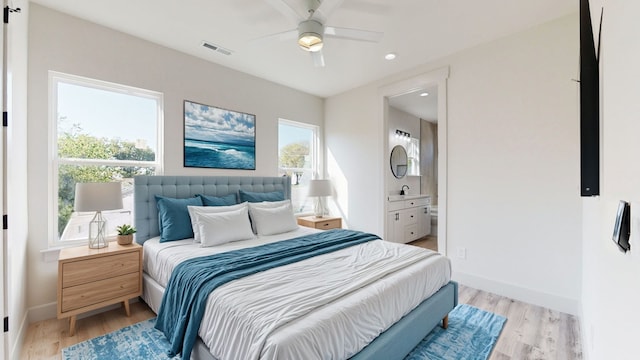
<point>424,94</point>
<point>390,56</point>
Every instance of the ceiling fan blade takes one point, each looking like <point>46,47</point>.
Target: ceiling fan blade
<point>326,8</point>
<point>353,34</point>
<point>281,36</point>
<point>318,59</point>
<point>287,10</point>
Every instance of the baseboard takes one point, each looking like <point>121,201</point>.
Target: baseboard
<point>550,301</point>
<point>42,312</point>
<point>49,311</point>
<point>16,348</point>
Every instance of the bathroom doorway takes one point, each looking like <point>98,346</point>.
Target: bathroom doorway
<point>435,170</point>
<point>418,109</point>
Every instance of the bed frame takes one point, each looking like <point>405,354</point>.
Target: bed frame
<point>395,343</point>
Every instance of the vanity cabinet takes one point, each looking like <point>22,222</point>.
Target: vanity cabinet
<point>408,220</point>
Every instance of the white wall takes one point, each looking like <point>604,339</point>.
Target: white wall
<point>353,159</point>
<point>17,177</point>
<point>513,162</point>
<point>63,43</point>
<point>611,282</point>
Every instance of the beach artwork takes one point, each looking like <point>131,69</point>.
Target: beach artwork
<point>218,138</point>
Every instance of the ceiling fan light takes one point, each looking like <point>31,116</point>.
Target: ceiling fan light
<point>310,35</point>
<point>310,41</point>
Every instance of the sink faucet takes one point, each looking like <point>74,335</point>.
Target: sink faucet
<point>402,191</point>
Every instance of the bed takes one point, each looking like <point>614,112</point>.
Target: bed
<point>394,341</point>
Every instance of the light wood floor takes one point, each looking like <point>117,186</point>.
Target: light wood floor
<point>531,332</point>
<point>46,339</point>
<point>427,242</point>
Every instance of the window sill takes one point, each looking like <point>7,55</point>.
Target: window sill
<point>51,254</point>
<point>305,213</point>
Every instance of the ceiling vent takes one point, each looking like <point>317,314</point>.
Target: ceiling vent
<point>216,48</point>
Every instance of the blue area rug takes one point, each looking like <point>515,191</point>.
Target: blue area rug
<point>471,335</point>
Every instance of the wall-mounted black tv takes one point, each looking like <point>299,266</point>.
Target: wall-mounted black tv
<point>622,227</point>
<point>589,107</point>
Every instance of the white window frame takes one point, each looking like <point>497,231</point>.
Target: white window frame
<point>54,162</point>
<point>314,146</point>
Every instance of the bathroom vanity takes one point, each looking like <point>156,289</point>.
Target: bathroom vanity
<point>408,218</point>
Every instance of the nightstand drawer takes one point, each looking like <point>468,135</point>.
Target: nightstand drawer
<point>91,270</point>
<point>322,223</point>
<point>76,297</point>
<point>329,224</point>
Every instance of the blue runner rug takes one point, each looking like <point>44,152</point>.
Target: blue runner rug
<point>471,335</point>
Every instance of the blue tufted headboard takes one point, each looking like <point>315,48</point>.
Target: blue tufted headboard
<point>145,211</point>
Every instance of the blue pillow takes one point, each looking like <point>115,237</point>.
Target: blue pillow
<point>260,197</point>
<point>226,200</point>
<point>173,217</point>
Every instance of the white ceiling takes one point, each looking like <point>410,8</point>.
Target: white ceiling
<point>423,107</point>
<point>419,31</point>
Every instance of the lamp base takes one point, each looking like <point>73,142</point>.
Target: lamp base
<point>97,243</point>
<point>97,232</point>
<point>319,207</point>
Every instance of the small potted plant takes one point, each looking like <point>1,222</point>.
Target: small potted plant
<point>125,234</point>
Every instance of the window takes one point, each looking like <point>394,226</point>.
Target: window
<point>298,158</point>
<point>100,132</point>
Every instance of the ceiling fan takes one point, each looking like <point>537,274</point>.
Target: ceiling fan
<point>312,30</point>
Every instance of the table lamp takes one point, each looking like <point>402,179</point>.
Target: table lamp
<point>319,189</point>
<point>98,197</point>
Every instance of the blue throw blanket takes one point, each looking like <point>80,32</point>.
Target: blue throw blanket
<point>191,282</point>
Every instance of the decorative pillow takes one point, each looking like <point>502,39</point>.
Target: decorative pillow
<point>271,221</point>
<point>196,210</point>
<point>258,196</point>
<point>173,217</point>
<point>268,204</point>
<point>208,200</point>
<point>265,205</point>
<point>224,227</point>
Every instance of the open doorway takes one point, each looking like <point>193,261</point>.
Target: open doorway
<point>418,110</point>
<point>421,103</point>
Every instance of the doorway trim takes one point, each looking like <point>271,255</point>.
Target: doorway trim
<point>436,77</point>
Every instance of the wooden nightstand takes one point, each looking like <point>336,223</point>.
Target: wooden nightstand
<point>323,223</point>
<point>89,279</point>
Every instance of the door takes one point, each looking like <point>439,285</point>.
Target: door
<point>3,194</point>
<point>424,221</point>
<point>395,226</point>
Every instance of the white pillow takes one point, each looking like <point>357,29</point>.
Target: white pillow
<point>224,227</point>
<point>193,210</point>
<point>265,205</point>
<point>271,221</point>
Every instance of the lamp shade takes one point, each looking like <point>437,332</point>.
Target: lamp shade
<point>319,188</point>
<point>98,196</point>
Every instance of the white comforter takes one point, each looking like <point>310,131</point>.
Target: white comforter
<point>326,307</point>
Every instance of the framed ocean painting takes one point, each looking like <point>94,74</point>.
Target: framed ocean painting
<point>218,138</point>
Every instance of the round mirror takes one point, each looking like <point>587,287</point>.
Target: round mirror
<point>399,161</point>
